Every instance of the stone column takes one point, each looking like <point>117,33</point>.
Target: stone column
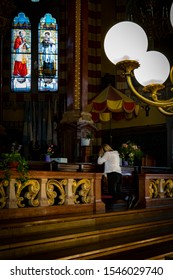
<point>43,195</point>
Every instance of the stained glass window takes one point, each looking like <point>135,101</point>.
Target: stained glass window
<point>48,54</point>
<point>21,54</point>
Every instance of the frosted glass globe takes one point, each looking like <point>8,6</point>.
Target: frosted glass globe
<point>154,68</point>
<point>125,40</point>
<point>171,14</point>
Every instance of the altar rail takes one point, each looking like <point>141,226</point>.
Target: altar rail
<point>155,190</point>
<point>51,192</point>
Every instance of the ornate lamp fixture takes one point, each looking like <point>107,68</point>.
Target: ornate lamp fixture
<point>129,54</point>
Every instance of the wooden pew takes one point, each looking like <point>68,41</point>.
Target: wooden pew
<point>100,236</point>
<point>92,244</point>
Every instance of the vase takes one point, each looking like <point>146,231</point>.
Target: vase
<point>125,163</point>
<point>13,165</point>
<point>85,141</point>
<point>47,158</point>
<point>131,162</point>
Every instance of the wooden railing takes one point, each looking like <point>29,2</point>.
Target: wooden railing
<point>155,190</point>
<point>65,192</point>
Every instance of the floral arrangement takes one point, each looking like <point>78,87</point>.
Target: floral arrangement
<point>50,150</point>
<point>129,151</point>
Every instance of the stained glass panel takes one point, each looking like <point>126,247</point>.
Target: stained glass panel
<point>48,54</point>
<point>21,54</point>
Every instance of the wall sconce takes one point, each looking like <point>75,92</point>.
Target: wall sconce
<point>126,46</point>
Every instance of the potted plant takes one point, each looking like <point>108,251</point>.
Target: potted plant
<point>85,141</point>
<point>14,161</point>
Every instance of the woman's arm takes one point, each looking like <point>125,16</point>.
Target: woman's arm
<point>103,158</point>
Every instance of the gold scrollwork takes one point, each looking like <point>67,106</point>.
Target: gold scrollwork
<point>168,188</point>
<point>3,197</point>
<point>153,188</point>
<point>52,194</point>
<point>81,190</point>
<point>33,187</point>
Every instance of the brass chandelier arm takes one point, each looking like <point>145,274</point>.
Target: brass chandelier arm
<point>164,106</point>
<point>165,112</point>
<point>155,102</point>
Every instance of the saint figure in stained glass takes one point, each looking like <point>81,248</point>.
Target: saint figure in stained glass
<point>21,54</point>
<point>48,54</point>
<point>20,47</point>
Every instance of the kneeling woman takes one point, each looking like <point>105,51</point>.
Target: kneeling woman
<point>112,170</point>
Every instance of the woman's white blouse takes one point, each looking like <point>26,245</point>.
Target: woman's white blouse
<point>111,162</point>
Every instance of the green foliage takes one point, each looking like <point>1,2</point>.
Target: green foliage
<point>14,156</point>
<point>89,135</point>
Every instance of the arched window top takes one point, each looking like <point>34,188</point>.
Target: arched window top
<point>48,22</point>
<point>21,21</point>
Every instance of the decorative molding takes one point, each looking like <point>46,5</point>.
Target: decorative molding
<point>77,89</point>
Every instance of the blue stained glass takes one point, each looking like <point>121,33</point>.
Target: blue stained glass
<point>21,21</point>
